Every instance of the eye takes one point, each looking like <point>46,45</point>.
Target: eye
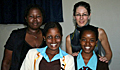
<point>57,36</point>
<point>81,15</point>
<point>83,39</point>
<point>77,15</point>
<point>38,16</point>
<point>85,15</point>
<point>49,37</point>
<point>30,16</point>
<point>92,40</point>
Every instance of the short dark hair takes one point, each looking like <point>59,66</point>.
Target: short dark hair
<point>49,25</point>
<point>89,28</point>
<point>84,4</point>
<point>29,7</point>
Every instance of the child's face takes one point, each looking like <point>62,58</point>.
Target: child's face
<point>53,38</point>
<point>88,41</point>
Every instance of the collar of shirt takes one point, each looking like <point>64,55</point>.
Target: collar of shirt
<point>92,63</point>
<point>56,57</point>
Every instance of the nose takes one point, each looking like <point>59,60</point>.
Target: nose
<point>35,18</point>
<point>87,43</point>
<point>81,16</point>
<point>53,40</point>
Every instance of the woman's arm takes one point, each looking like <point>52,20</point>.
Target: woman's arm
<point>68,45</point>
<point>6,62</point>
<point>104,41</point>
<point>69,48</point>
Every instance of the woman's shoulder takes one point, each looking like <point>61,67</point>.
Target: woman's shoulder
<point>69,57</point>
<point>65,54</point>
<point>102,65</point>
<point>68,37</point>
<point>19,30</point>
<point>101,30</point>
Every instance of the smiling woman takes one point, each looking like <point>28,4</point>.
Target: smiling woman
<point>81,15</point>
<point>87,58</point>
<point>21,40</point>
<point>50,57</point>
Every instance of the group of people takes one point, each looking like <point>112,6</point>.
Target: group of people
<point>33,48</point>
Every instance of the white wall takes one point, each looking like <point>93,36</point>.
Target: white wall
<point>105,14</point>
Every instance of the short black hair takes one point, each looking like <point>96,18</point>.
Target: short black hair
<point>49,25</point>
<point>89,28</point>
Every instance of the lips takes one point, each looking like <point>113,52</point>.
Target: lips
<point>81,21</point>
<point>87,48</point>
<point>35,24</point>
<point>53,45</point>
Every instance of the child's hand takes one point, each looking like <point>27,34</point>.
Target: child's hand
<point>75,54</point>
<point>103,59</point>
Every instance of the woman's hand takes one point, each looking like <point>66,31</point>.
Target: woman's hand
<point>103,59</point>
<point>75,54</point>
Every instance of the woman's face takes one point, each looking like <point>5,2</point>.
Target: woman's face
<point>81,16</point>
<point>34,18</point>
<point>53,38</point>
<point>88,41</point>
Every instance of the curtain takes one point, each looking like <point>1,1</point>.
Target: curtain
<point>12,11</point>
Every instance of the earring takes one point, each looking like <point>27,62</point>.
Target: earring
<point>44,40</point>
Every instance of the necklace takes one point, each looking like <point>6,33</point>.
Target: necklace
<point>33,34</point>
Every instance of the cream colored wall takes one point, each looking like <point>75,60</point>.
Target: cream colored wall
<point>105,14</point>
